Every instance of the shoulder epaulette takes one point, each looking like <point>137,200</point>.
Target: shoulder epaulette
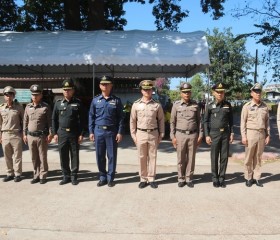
<point>247,103</point>
<point>177,101</point>
<point>59,100</point>
<point>77,99</point>
<point>97,95</point>
<point>157,101</point>
<point>45,103</point>
<point>138,100</point>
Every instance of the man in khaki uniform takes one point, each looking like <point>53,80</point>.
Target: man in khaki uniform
<point>147,131</point>
<point>11,117</point>
<point>37,133</point>
<point>278,119</point>
<point>255,132</point>
<point>186,133</point>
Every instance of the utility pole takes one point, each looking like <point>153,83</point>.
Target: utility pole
<point>256,66</point>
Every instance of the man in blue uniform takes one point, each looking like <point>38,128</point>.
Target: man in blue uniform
<point>218,125</point>
<point>106,128</point>
<point>68,123</point>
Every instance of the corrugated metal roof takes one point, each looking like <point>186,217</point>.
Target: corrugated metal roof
<point>133,53</point>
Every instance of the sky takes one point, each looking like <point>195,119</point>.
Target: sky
<point>140,17</point>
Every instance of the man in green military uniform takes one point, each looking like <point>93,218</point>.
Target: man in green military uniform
<point>218,126</point>
<point>68,125</point>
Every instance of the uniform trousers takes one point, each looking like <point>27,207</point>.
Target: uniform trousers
<point>253,154</point>
<point>219,154</point>
<point>186,150</point>
<point>147,143</point>
<point>68,146</point>
<point>105,140</point>
<point>12,146</point>
<point>38,147</point>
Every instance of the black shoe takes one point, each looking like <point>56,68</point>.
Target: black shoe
<point>216,184</point>
<point>249,183</point>
<point>142,185</point>
<point>153,185</point>
<point>43,181</point>
<point>258,183</point>
<point>223,184</point>
<point>75,181</point>
<point>101,183</point>
<point>17,179</point>
<point>111,184</point>
<point>33,181</point>
<point>65,180</point>
<point>190,184</point>
<point>8,178</point>
<point>181,184</point>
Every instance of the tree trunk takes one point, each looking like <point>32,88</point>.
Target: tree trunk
<point>72,15</point>
<point>96,19</point>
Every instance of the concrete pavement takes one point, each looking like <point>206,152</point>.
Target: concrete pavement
<point>85,211</point>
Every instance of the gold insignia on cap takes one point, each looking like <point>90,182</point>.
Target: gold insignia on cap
<point>66,84</point>
<point>220,85</point>
<point>104,78</point>
<point>35,88</point>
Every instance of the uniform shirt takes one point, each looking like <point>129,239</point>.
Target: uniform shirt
<point>254,116</point>
<point>185,116</point>
<point>37,118</point>
<point>218,116</point>
<point>146,115</point>
<point>106,112</point>
<point>69,115</point>
<point>11,118</point>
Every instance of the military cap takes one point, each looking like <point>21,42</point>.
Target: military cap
<point>68,84</point>
<point>219,87</point>
<point>9,89</point>
<point>146,84</point>
<point>36,89</point>
<point>106,80</point>
<point>186,87</point>
<point>256,86</point>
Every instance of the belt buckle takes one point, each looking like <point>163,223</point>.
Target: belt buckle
<point>104,127</point>
<point>187,132</point>
<point>149,130</point>
<point>222,129</point>
<point>67,129</point>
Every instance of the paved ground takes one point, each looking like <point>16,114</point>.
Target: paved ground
<point>125,212</point>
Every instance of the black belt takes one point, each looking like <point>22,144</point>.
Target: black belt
<point>147,130</point>
<point>186,131</point>
<point>10,131</point>
<point>37,133</point>
<point>219,129</point>
<point>66,129</point>
<point>106,127</point>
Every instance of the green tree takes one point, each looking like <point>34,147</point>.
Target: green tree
<point>93,15</point>
<point>230,62</point>
<point>198,87</point>
<point>267,18</point>
<point>8,15</point>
